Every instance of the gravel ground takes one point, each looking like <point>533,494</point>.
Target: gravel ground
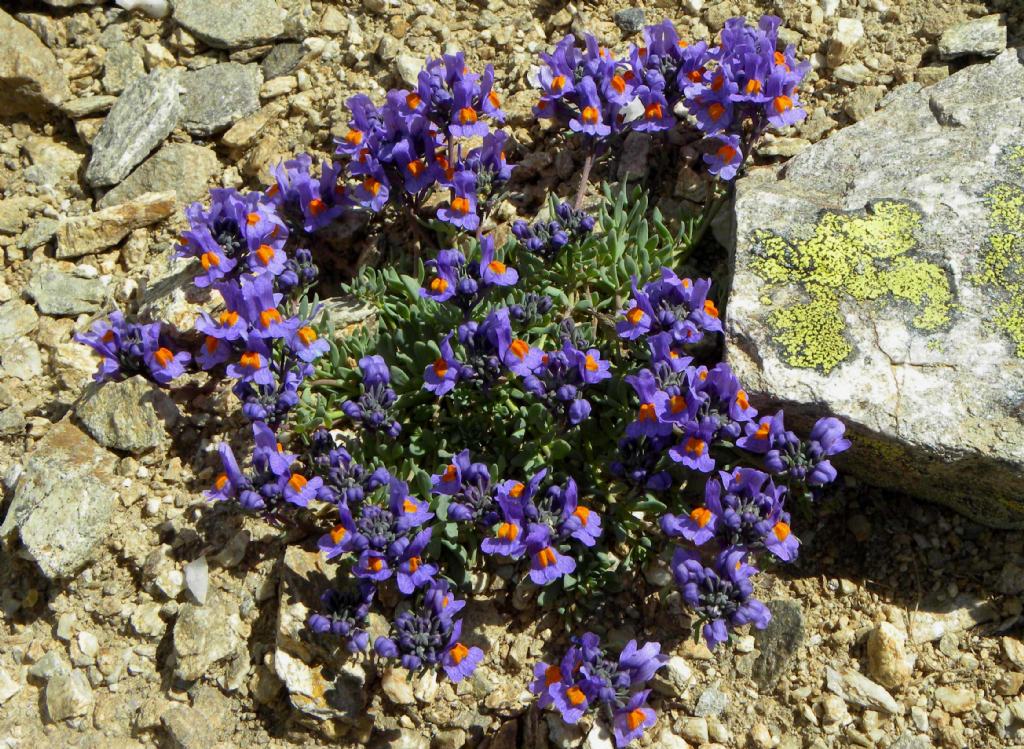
<point>898,627</point>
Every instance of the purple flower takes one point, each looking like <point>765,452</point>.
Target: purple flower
<point>724,161</point>
<point>229,483</point>
<point>493,271</point>
<point>300,491</point>
<point>509,539</point>
<point>647,423</point>
<point>631,720</point>
<point>413,572</point>
<point>571,700</point>
<point>720,596</point>
<point>344,614</point>
<point>458,661</point>
<point>441,376</point>
<point>546,563</point>
<point>461,209</point>
<point>589,119</point>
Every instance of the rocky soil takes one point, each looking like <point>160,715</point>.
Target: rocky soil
<point>133,614</point>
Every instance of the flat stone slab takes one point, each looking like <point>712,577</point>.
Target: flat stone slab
<point>881,278</point>
<point>64,501</point>
<point>227,24</point>
<point>133,415</point>
<point>143,116</point>
<point>82,235</point>
<point>218,95</point>
<point>182,167</point>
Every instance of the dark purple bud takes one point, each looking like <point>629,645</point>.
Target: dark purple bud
<point>578,411</point>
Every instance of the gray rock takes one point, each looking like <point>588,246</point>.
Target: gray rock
<point>861,272</point>
<point>202,725</point>
<point>205,635</point>
<point>87,106</point>
<point>50,665</point>
<point>778,641</point>
<point>220,24</point>
<point>282,60</point>
<point>17,319</point>
<point>143,116</point>
<point>121,66</point>
<point>633,161</point>
<point>38,233</point>
<point>630,20</point>
<point>182,167</point>
<point>860,691</point>
<point>70,3</point>
<point>82,235</point>
<point>218,95</point>
<point>408,68</point>
<point>985,36</point>
<point>32,79</point>
<point>68,696</point>
<point>12,421</point>
<point>338,694</point>
<point>22,360</point>
<point>57,293</point>
<point>133,415</point>
<point>8,686</point>
<point>64,501</point>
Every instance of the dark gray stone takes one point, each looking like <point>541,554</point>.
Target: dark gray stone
<point>282,60</point>
<point>143,116</point>
<point>630,20</point>
<point>218,95</point>
<point>778,641</point>
<point>224,24</point>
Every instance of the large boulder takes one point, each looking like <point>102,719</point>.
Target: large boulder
<point>880,277</point>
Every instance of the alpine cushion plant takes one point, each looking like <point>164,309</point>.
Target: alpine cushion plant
<point>550,406</point>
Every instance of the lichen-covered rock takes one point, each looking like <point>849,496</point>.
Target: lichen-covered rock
<point>882,279</point>
<point>182,167</point>
<point>64,501</point>
<point>81,235</point>
<point>218,95</point>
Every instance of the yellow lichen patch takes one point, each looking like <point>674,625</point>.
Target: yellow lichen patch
<point>860,257</point>
<point>1002,266</point>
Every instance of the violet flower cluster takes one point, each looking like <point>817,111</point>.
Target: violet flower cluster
<point>372,410</point>
<point>685,411</point>
<point>546,239</point>
<point>519,520</point>
<point>399,152</point>
<point>428,634</point>
<point>732,91</point>
<point>467,284</point>
<point>240,244</point>
<point>126,349</point>
<point>589,678</point>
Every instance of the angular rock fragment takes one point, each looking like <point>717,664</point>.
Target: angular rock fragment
<point>133,415</point>
<point>218,95</point>
<point>64,501</point>
<point>220,23</point>
<point>82,235</point>
<point>880,279</point>
<point>182,167</point>
<point>143,116</point>
<point>985,36</point>
<point>57,293</point>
